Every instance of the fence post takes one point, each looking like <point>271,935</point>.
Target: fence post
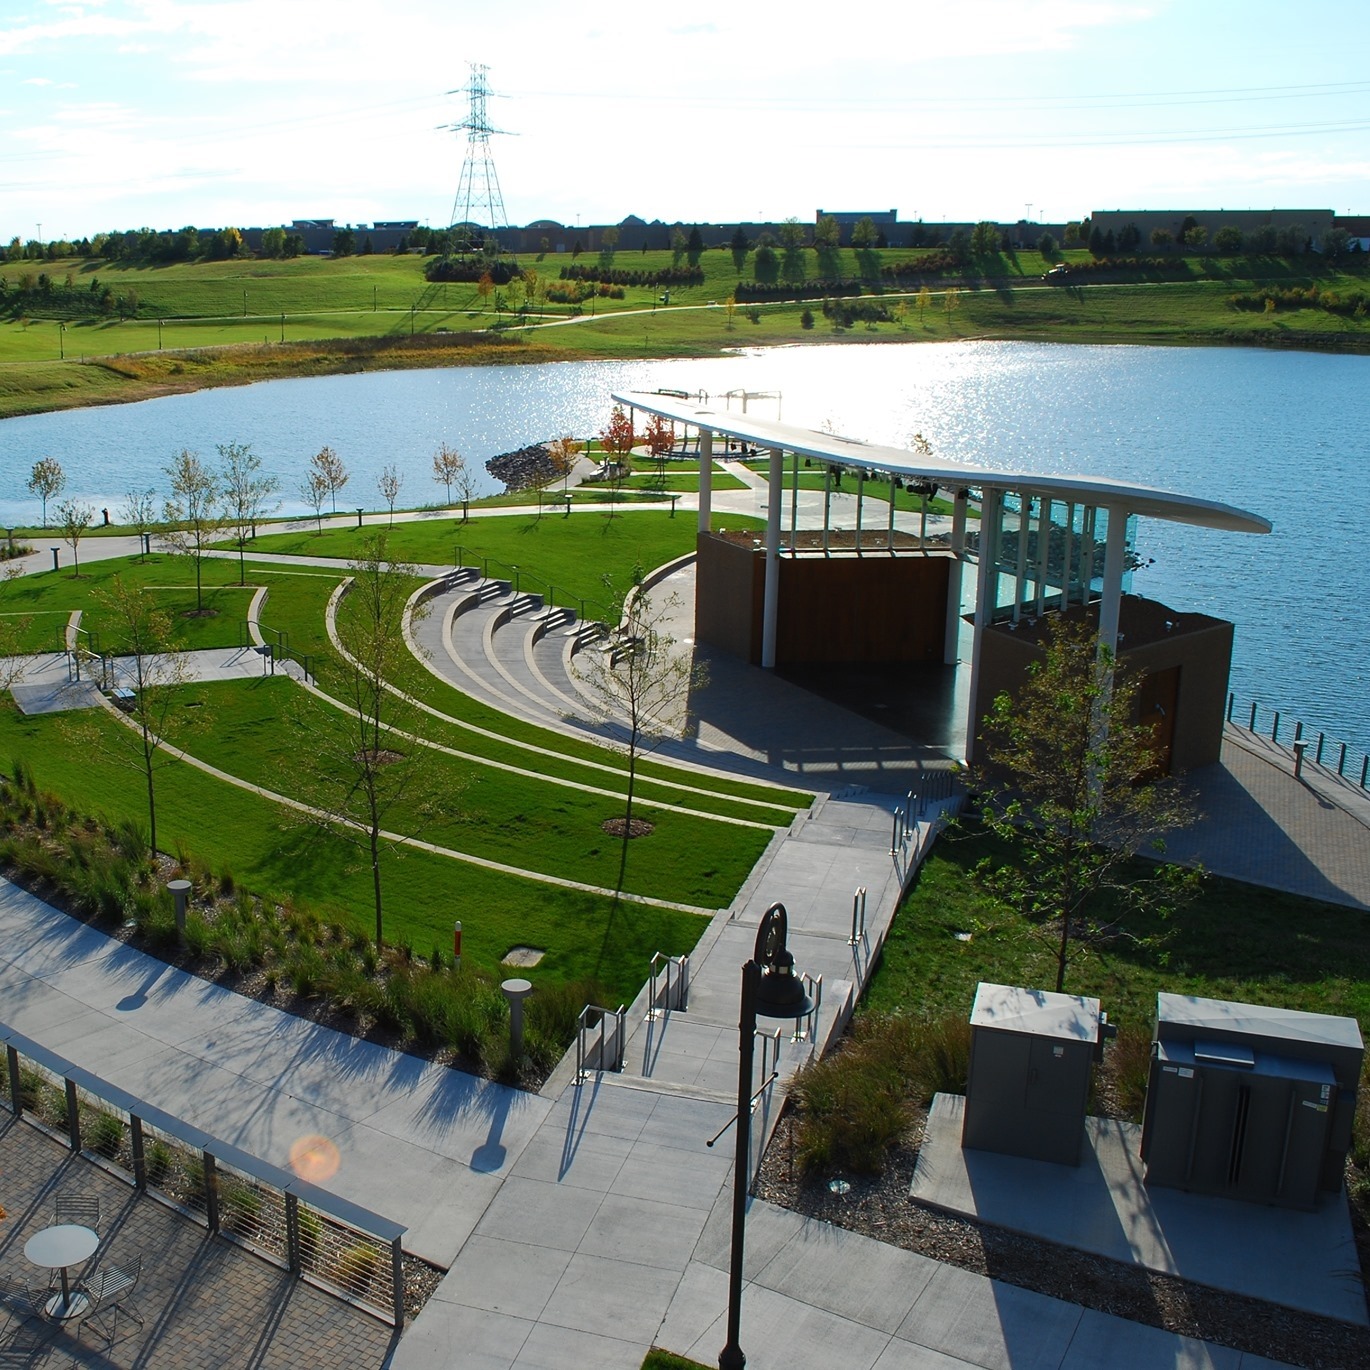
<point>1364,769</point>
<point>16,1093</point>
<point>397,1281</point>
<point>73,1115</point>
<point>292,1232</point>
<point>1231,704</point>
<point>211,1176</point>
<point>135,1129</point>
<point>1317,756</point>
<point>1251,727</point>
<point>1341,760</point>
<point>1275,728</point>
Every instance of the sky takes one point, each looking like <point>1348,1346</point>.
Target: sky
<point>120,114</point>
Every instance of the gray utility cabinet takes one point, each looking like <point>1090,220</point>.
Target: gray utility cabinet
<point>1032,1057</point>
<point>1250,1102</point>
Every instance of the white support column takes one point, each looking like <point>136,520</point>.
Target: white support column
<point>706,479</point>
<point>827,504</point>
<point>772,593</point>
<point>1043,553</point>
<point>1115,555</point>
<point>1020,565</point>
<point>991,512</point>
<point>794,501</point>
<point>958,560</point>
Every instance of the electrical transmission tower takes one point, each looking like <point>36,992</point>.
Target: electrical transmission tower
<point>478,201</point>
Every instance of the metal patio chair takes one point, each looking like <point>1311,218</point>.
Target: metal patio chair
<point>81,1209</point>
<point>110,1293</point>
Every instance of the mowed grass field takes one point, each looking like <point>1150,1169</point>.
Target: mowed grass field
<point>214,323</point>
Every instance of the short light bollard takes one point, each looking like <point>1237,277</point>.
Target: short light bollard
<point>180,892</point>
<point>53,550</point>
<point>359,518</point>
<point>1299,748</point>
<point>516,991</point>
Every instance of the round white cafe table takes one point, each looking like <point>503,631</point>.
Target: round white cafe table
<point>58,1248</point>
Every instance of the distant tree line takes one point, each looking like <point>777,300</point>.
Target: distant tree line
<point>612,275</point>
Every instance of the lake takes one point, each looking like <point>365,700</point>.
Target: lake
<point>1284,434</point>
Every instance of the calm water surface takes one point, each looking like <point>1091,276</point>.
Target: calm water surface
<point>1285,435</point>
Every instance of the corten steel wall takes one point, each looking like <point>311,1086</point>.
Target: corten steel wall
<point>869,608</point>
<point>873,608</point>
<point>1199,646</point>
<point>729,584</point>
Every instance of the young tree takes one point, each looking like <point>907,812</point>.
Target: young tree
<point>642,687</point>
<point>153,666</point>
<point>984,239</point>
<point>659,439</point>
<point>563,453</point>
<point>314,490</point>
<point>448,464</point>
<point>13,630</point>
<point>951,301</point>
<point>193,514</point>
<point>863,235</point>
<point>139,512</point>
<point>618,439</point>
<point>364,778</point>
<point>247,495</point>
<point>827,234</point>
<point>73,518</point>
<point>46,480</point>
<point>923,301</point>
<point>330,466</point>
<point>1069,777</point>
<point>390,483</point>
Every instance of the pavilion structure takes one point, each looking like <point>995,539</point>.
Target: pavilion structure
<point>1042,544</point>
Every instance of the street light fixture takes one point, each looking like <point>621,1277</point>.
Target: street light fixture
<point>770,989</point>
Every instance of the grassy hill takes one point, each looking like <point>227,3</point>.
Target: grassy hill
<point>185,326</point>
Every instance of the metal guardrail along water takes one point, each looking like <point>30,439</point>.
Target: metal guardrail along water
<point>1323,750</point>
<point>340,1246</point>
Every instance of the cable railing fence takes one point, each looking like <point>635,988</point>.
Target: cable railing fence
<point>340,1246</point>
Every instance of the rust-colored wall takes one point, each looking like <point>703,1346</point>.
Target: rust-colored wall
<point>875,608</point>
<point>729,585</point>
<point>1200,646</point>
<point>868,608</point>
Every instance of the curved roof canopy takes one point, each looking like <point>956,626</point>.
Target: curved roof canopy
<point>834,448</point>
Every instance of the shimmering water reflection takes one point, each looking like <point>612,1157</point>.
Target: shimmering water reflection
<point>1286,435</point>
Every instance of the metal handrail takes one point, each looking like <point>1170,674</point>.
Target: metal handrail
<point>858,916</point>
<point>1298,744</point>
<point>807,1026</point>
<point>679,981</point>
<point>584,1054</point>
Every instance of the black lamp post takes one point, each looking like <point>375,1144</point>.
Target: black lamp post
<point>770,989</point>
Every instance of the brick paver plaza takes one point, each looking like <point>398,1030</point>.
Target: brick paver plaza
<point>205,1302</point>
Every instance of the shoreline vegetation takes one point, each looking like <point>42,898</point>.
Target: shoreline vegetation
<point>200,325</point>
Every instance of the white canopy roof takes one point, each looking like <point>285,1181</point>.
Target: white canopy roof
<point>834,448</point>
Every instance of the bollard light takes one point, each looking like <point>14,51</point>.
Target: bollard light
<point>516,991</point>
<point>180,893</point>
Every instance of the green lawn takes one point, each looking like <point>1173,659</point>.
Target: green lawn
<point>255,734</point>
<point>269,852</point>
<point>572,555</point>
<point>1235,942</point>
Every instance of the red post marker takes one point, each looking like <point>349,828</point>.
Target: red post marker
<point>456,945</point>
